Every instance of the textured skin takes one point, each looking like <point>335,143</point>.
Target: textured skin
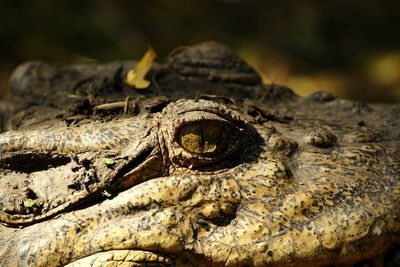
<point>294,182</point>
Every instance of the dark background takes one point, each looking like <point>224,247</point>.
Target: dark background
<point>351,48</point>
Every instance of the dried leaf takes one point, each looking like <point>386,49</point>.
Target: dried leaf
<point>135,76</point>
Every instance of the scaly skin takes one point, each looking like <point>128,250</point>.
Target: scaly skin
<point>113,135</point>
<point>286,201</point>
<point>318,186</point>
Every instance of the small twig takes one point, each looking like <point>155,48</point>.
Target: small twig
<point>73,96</point>
<point>110,106</point>
<point>266,91</point>
<point>177,50</point>
<point>126,104</point>
<point>271,85</point>
<point>91,93</point>
<point>154,79</point>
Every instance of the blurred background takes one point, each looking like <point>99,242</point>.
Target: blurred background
<point>350,48</point>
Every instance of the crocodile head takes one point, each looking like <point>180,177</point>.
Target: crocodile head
<point>282,181</point>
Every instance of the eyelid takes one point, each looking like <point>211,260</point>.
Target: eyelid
<point>212,116</point>
<point>189,118</point>
<point>223,124</point>
<point>201,115</point>
<point>185,113</point>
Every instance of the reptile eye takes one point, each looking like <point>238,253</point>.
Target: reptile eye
<point>205,137</point>
<point>202,135</point>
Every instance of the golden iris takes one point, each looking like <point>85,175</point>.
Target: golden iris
<point>201,138</point>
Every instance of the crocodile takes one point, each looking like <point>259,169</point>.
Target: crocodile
<point>210,168</point>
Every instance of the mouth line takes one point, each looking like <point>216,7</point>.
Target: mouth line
<point>139,162</point>
<point>130,257</point>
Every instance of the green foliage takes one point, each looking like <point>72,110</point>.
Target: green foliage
<point>29,203</point>
<point>108,161</point>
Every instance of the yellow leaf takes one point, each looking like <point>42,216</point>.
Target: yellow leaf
<point>135,76</point>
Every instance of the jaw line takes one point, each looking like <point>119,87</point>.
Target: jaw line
<point>147,165</point>
<point>125,256</point>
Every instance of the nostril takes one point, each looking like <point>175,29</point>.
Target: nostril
<point>224,220</point>
<point>220,214</point>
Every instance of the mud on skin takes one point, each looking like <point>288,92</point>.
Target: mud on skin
<point>220,171</point>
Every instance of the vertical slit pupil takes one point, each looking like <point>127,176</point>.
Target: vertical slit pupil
<point>201,137</point>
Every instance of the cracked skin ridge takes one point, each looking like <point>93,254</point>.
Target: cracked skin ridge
<point>311,191</point>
